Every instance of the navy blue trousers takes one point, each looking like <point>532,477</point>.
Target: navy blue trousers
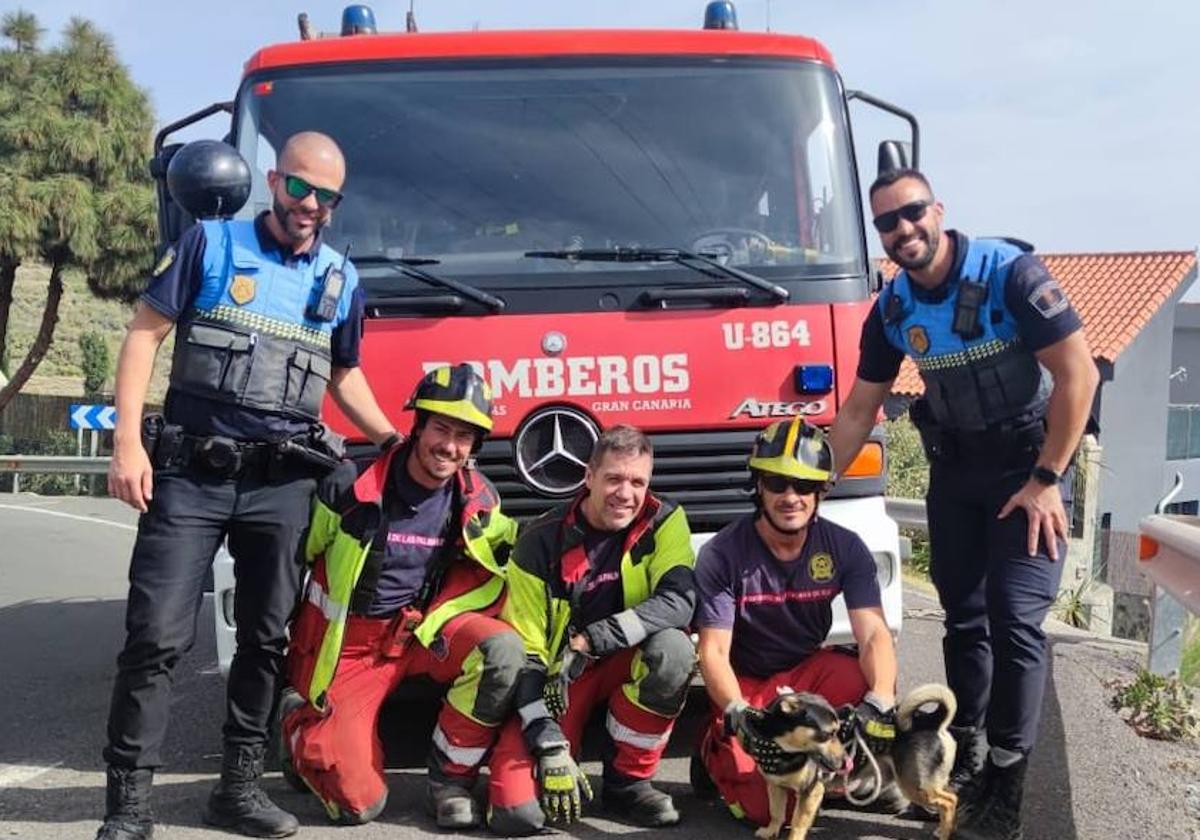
<point>995,596</point>
<point>191,512</point>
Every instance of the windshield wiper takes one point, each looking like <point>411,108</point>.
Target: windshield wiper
<point>408,267</point>
<point>697,262</point>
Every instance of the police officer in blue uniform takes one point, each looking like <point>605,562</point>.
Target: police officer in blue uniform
<point>1009,382</point>
<point>267,317</point>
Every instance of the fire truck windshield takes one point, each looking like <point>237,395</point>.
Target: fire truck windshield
<point>475,164</point>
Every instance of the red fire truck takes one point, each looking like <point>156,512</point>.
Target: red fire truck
<point>661,228</point>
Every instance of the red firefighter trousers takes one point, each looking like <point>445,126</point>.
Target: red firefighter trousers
<point>338,753</point>
<point>834,675</point>
<point>639,736</point>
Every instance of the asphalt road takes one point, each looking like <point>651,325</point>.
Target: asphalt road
<point>62,583</point>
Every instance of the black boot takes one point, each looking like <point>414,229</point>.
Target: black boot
<point>127,814</point>
<point>702,784</point>
<point>998,817</point>
<point>237,802</point>
<point>288,703</point>
<point>967,779</point>
<point>640,802</point>
<point>452,806</point>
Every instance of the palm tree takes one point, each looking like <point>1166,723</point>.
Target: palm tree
<point>22,29</point>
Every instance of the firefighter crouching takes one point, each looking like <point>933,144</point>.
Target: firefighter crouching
<point>600,590</point>
<point>766,585</point>
<point>407,579</point>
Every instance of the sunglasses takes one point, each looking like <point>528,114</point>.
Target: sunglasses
<point>299,189</point>
<point>780,483</point>
<point>914,211</point>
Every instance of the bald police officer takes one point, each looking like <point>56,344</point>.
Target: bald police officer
<point>267,317</point>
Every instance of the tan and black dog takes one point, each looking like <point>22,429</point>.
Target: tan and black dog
<point>919,761</point>
<point>923,754</point>
<point>805,729</point>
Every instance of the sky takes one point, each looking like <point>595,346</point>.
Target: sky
<point>1072,124</point>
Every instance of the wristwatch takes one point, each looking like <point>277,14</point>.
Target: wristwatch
<point>1045,476</point>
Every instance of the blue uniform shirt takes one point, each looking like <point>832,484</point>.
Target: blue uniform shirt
<point>780,613</point>
<point>171,294</point>
<point>1027,286</point>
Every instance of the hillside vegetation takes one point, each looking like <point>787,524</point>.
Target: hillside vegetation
<point>61,371</point>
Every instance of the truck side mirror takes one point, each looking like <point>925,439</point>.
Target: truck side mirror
<point>208,179</point>
<point>894,154</point>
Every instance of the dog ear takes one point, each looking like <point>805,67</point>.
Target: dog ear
<point>789,704</point>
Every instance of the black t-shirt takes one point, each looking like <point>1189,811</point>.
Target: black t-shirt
<point>1028,281</point>
<point>171,294</point>
<point>600,590</point>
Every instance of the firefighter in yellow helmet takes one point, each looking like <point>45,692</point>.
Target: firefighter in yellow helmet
<point>407,559</point>
<point>766,584</point>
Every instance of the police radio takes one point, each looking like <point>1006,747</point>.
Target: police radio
<point>329,292</point>
<point>971,297</point>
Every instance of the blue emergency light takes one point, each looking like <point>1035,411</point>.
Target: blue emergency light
<point>720,14</point>
<point>358,20</point>
<point>812,379</point>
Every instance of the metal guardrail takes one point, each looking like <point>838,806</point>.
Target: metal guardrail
<point>1169,554</point>
<point>908,513</point>
<point>70,464</point>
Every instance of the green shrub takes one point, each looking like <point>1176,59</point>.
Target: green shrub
<point>908,471</point>
<point>59,442</point>
<point>1158,707</point>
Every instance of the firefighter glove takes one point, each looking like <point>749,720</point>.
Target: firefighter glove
<point>876,723</point>
<point>564,787</point>
<point>557,690</point>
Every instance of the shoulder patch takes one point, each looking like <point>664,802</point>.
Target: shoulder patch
<point>1048,298</point>
<point>164,262</point>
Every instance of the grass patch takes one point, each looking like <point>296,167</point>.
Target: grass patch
<point>1158,707</point>
<point>78,314</point>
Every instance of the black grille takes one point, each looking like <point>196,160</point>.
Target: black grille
<point>703,471</point>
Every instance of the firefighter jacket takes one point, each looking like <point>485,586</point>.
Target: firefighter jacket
<point>248,338</point>
<point>976,370</point>
<point>347,513</point>
<point>548,566</point>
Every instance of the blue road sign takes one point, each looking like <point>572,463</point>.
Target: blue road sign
<point>93,417</point>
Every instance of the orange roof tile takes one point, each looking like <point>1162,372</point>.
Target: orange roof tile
<point>1116,295</point>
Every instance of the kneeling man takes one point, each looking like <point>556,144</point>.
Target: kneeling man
<point>766,585</point>
<point>601,591</point>
<point>407,579</point>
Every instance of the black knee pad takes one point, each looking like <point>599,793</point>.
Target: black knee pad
<point>670,658</point>
<point>503,658</point>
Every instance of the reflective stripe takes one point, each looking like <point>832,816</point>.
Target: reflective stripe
<point>631,626</point>
<point>332,610</point>
<point>532,711</point>
<point>643,740</point>
<point>462,756</point>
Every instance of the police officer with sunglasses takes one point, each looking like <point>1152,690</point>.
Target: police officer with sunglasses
<point>267,318</point>
<point>1009,382</point>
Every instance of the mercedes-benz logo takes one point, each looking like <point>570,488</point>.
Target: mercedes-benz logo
<point>553,343</point>
<point>553,448</point>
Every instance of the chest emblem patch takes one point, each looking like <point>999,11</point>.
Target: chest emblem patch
<point>820,567</point>
<point>242,289</point>
<point>918,340</point>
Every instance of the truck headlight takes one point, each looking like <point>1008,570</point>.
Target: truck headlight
<point>885,568</point>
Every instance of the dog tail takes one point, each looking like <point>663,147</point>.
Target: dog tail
<point>924,695</point>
